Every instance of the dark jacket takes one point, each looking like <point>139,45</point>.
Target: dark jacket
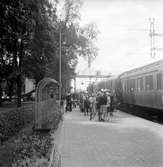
<point>111,102</point>
<point>98,102</point>
<point>86,103</point>
<point>103,100</point>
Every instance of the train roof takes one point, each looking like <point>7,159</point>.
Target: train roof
<point>143,69</point>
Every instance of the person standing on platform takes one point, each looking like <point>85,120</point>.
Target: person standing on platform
<point>68,103</point>
<point>98,104</point>
<point>103,103</point>
<point>81,103</point>
<point>86,105</point>
<point>111,104</point>
<point>92,100</point>
<point>108,104</point>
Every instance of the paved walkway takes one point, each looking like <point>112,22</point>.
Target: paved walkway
<point>127,141</point>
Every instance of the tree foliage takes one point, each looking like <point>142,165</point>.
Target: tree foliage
<point>29,40</point>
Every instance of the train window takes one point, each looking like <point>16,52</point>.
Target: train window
<point>125,85</point>
<point>132,85</point>
<point>160,81</point>
<point>128,86</point>
<point>140,84</point>
<point>149,82</point>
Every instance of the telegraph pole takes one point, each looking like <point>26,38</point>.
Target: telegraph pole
<point>60,67</point>
<point>74,84</point>
<point>152,35</point>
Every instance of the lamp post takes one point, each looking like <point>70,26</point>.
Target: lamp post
<point>60,67</point>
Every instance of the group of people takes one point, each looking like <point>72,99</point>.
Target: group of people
<point>101,103</point>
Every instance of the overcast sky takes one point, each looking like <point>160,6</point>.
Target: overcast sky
<point>124,41</point>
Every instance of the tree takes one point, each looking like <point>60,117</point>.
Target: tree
<point>22,22</point>
<point>76,40</point>
<point>29,41</point>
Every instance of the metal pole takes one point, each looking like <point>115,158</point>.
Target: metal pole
<point>74,84</point>
<point>60,68</point>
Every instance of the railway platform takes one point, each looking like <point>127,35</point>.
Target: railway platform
<point>125,141</point>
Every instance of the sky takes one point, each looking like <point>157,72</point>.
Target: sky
<point>123,41</point>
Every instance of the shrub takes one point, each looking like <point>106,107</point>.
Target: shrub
<point>28,148</point>
<point>12,122</point>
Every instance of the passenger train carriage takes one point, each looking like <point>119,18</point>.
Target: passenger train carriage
<point>141,86</point>
<point>144,86</point>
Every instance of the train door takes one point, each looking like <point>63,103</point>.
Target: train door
<point>132,90</point>
<point>159,92</point>
<point>149,95</point>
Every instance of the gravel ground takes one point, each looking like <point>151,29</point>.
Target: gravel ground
<point>125,141</point>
